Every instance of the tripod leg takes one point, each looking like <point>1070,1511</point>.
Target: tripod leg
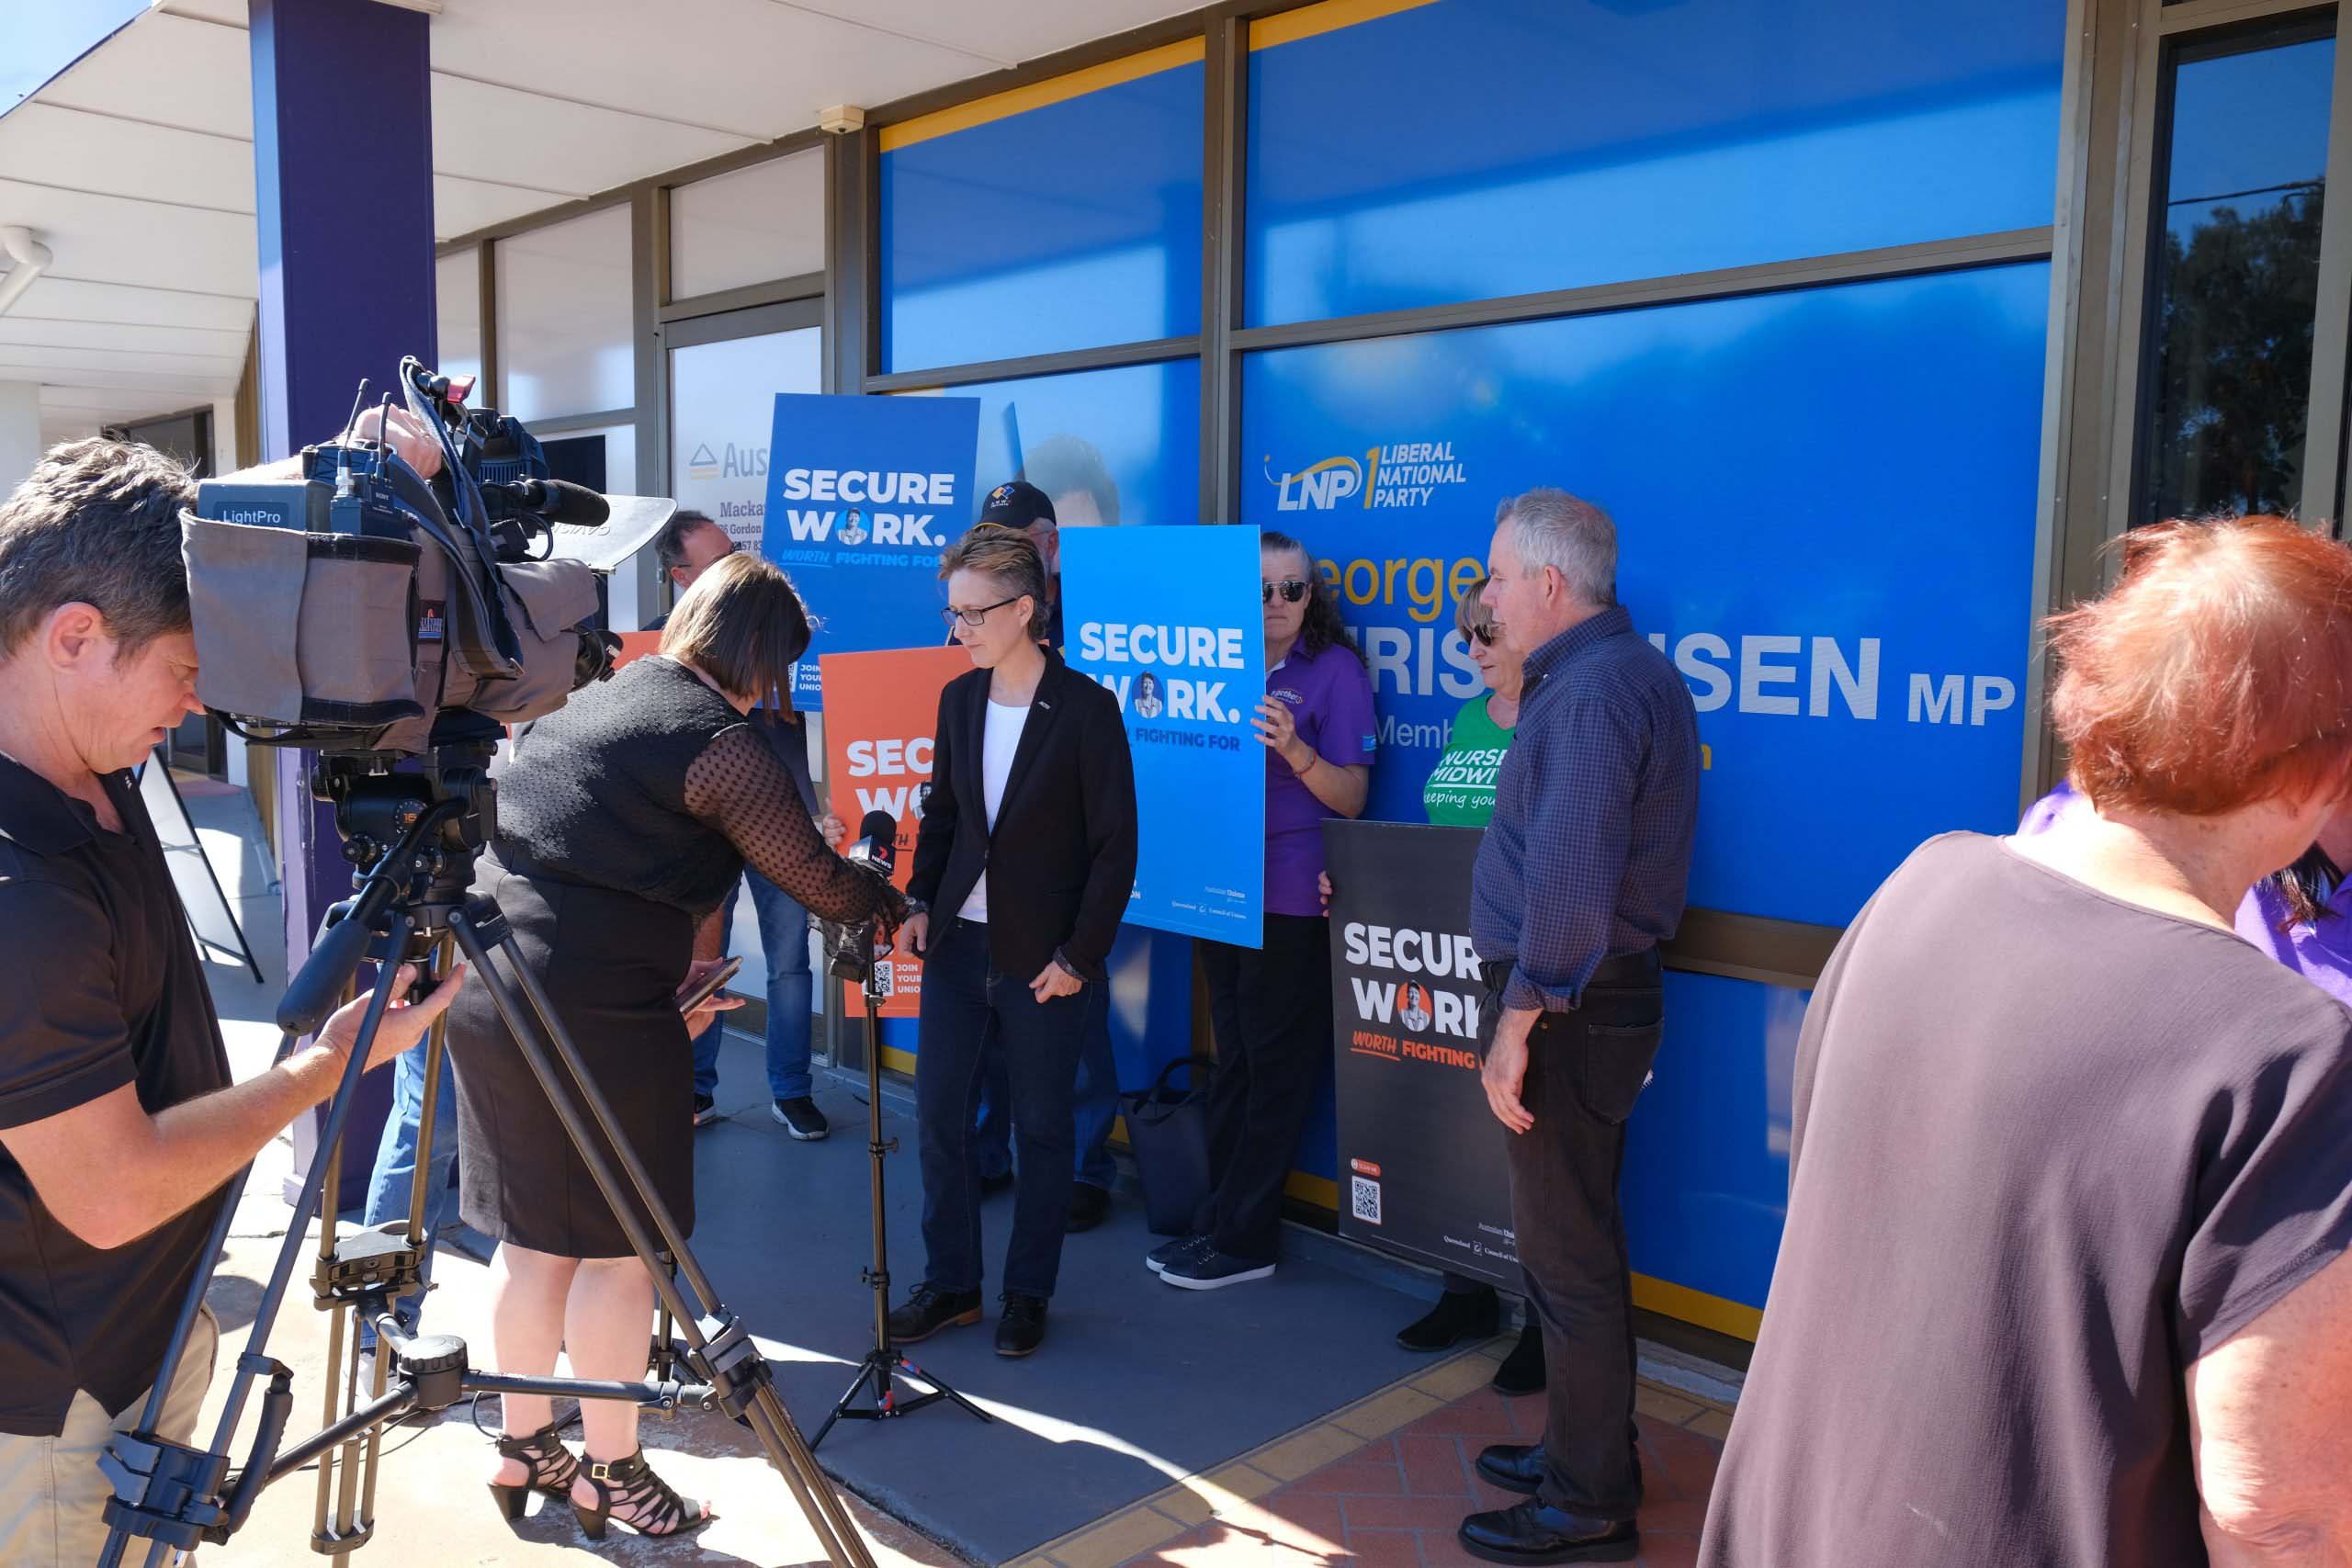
<point>765,1414</point>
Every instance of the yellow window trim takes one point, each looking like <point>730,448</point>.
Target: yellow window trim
<point>1037,95</point>
<point>1330,16</point>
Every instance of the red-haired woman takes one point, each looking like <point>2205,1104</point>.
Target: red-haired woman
<point>2063,1281</point>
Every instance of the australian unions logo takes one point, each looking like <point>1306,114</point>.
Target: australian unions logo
<point>1402,473</point>
<point>731,462</point>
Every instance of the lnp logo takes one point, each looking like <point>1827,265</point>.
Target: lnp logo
<point>703,464</point>
<point>1320,488</point>
<point>1403,473</point>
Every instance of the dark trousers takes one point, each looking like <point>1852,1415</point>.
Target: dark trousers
<point>1270,1007</point>
<point>1584,1071</point>
<point>1094,1100</point>
<point>968,1009</point>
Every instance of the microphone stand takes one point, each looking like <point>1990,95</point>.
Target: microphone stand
<point>853,959</point>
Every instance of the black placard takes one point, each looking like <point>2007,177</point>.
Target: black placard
<point>1423,1171</point>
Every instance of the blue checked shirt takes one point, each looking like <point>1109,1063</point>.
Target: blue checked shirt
<point>1588,854</point>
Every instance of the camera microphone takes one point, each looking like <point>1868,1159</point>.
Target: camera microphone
<point>877,844</point>
<point>556,500</point>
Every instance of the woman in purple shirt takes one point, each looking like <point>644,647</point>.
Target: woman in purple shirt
<point>1271,1006</point>
<point>2298,917</point>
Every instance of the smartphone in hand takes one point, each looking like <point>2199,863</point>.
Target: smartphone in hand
<point>709,988</point>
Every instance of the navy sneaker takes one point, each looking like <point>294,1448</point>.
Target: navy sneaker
<point>1168,1252</point>
<point>706,1109</point>
<point>1209,1269</point>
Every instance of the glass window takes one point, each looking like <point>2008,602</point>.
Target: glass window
<point>1070,226</point>
<point>456,299</point>
<point>722,397</point>
<point>1784,469</point>
<point>753,226</point>
<point>1482,148</point>
<point>2236,277</point>
<point>1107,447</point>
<point>566,335</point>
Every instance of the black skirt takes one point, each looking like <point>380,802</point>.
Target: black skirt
<point>611,963</point>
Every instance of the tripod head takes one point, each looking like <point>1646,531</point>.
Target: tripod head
<point>411,834</point>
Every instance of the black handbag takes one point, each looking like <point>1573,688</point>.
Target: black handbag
<point>1168,1135</point>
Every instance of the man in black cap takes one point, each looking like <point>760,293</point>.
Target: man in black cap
<point>1016,504</point>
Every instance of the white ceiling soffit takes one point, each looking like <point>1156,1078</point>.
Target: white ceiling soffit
<point>135,163</point>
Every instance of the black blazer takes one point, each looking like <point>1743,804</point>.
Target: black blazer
<point>1065,839</point>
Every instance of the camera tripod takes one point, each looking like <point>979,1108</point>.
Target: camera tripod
<point>420,834</point>
<point>852,958</point>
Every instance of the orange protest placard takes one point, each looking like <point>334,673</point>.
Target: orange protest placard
<point>635,646</point>
<point>880,711</point>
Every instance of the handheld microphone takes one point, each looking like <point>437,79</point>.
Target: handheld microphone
<point>558,500</point>
<point>876,848</point>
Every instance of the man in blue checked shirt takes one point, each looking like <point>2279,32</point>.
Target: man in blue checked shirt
<point>1581,874</point>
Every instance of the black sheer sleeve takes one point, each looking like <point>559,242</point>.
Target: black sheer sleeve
<point>740,788</point>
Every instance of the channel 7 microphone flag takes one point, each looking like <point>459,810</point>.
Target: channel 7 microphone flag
<point>880,714</point>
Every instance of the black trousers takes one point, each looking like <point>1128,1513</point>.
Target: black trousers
<point>1584,1071</point>
<point>1270,1007</point>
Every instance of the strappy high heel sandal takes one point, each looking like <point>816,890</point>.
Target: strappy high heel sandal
<point>650,1507</point>
<point>552,1466</point>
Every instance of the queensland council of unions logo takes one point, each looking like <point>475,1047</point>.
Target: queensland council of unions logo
<point>1397,474</point>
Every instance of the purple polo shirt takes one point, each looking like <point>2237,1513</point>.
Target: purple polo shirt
<point>2321,953</point>
<point>1329,695</point>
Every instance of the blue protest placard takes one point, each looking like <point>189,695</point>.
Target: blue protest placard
<point>863,495</point>
<point>1168,619</point>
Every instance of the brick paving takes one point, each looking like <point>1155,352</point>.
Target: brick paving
<point>1397,1500</point>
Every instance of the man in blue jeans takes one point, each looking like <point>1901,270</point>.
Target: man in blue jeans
<point>784,938</point>
<point>390,1184</point>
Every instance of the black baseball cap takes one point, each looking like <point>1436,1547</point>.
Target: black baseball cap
<point>1016,504</point>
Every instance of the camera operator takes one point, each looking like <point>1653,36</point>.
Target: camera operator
<point>1028,851</point>
<point>118,1123</point>
<point>624,818</point>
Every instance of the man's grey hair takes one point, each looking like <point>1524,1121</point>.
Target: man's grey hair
<point>1572,536</point>
<point>96,523</point>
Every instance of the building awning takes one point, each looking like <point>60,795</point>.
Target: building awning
<point>134,165</point>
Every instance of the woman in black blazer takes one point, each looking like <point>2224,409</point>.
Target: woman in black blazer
<point>1022,868</point>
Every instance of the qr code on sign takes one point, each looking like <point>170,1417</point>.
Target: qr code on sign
<point>1365,1199</point>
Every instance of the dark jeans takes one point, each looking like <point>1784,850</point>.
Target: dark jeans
<point>968,1008</point>
<point>1270,1007</point>
<point>784,938</point>
<point>1584,1071</point>
<point>1094,1100</point>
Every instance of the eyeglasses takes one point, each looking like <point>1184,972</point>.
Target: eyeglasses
<point>1486,635</point>
<point>1290,588</point>
<point>951,614</point>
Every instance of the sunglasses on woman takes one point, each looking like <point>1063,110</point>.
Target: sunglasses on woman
<point>1290,588</point>
<point>1486,635</point>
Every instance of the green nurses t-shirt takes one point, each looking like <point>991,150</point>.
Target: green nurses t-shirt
<point>1461,791</point>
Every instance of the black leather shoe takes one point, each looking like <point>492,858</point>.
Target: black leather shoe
<point>1088,1204</point>
<point>1523,1370</point>
<point>1514,1467</point>
<point>1023,1327</point>
<point>1458,1316</point>
<point>1531,1532</point>
<point>931,1309</point>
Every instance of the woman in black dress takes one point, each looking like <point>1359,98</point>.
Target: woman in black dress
<point>623,821</point>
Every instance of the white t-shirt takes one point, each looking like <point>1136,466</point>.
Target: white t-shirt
<point>997,747</point>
